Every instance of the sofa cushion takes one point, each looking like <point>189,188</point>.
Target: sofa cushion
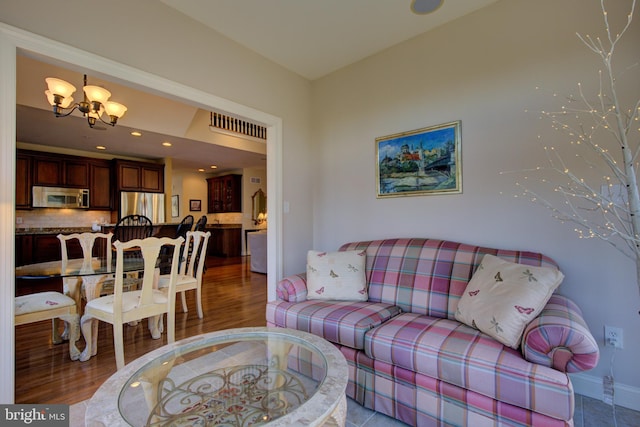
<point>428,276</point>
<point>341,322</point>
<point>336,275</point>
<point>458,354</point>
<point>503,297</point>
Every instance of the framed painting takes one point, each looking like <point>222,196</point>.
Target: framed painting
<point>195,205</point>
<point>419,162</point>
<point>175,206</point>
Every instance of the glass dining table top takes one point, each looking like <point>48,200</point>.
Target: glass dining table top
<point>76,267</point>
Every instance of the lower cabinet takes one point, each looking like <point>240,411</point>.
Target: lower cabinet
<point>225,242</point>
<point>34,248</point>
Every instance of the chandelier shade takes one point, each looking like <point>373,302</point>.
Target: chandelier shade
<point>95,102</point>
<point>60,87</point>
<point>97,94</point>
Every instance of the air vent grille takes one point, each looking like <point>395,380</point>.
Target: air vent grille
<point>232,124</point>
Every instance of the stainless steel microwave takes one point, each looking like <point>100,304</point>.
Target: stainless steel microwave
<point>55,197</point>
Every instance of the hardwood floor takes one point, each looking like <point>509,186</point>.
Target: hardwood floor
<point>232,297</point>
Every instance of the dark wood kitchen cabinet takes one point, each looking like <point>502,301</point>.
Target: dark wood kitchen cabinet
<point>23,181</point>
<point>60,171</point>
<point>139,176</point>
<point>100,194</point>
<point>225,241</point>
<point>34,248</point>
<point>224,194</point>
<point>76,173</point>
<point>47,171</point>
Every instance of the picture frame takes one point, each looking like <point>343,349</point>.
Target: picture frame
<point>175,206</point>
<point>420,162</point>
<point>195,205</point>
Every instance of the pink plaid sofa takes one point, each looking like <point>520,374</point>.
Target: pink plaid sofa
<point>411,359</point>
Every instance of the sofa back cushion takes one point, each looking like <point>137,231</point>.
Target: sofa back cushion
<point>428,276</point>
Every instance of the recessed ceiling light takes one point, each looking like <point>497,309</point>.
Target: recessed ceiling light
<point>200,170</point>
<point>214,167</point>
<point>136,133</point>
<point>100,147</point>
<point>166,144</point>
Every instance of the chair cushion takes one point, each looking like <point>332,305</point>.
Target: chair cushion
<point>41,301</point>
<point>182,280</point>
<point>130,301</point>
<point>458,354</point>
<point>341,322</point>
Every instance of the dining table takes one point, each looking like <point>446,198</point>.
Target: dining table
<point>94,272</point>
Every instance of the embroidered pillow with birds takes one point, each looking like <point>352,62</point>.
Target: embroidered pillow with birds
<point>337,275</point>
<point>503,297</point>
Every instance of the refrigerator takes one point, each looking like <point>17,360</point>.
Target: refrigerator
<point>150,205</point>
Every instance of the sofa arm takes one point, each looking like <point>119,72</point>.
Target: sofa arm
<point>559,338</point>
<point>292,288</point>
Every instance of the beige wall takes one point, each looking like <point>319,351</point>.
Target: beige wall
<point>197,57</point>
<point>481,69</point>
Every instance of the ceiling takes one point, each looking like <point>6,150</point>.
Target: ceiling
<point>315,37</point>
<point>310,38</point>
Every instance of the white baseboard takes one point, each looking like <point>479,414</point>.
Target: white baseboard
<point>591,386</point>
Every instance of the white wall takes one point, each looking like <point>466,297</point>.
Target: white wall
<point>481,69</point>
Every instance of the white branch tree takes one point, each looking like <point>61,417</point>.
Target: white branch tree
<point>606,137</point>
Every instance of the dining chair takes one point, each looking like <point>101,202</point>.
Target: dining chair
<point>181,231</point>
<point>71,286</point>
<point>76,286</point>
<point>48,306</point>
<point>184,226</point>
<point>127,306</point>
<point>191,269</point>
<point>132,227</point>
<point>201,224</point>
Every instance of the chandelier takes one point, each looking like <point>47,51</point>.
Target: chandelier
<point>93,106</point>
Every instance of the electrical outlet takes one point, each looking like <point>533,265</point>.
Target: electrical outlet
<point>613,337</point>
<point>18,220</point>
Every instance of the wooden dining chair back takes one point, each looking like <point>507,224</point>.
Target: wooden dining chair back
<point>184,226</point>
<point>132,227</point>
<point>201,224</point>
<point>72,285</point>
<point>193,259</point>
<point>123,307</point>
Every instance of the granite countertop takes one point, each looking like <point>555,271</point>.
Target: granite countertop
<point>51,230</point>
<point>224,226</point>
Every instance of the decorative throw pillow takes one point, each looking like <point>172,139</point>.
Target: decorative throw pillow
<point>336,275</point>
<point>503,297</point>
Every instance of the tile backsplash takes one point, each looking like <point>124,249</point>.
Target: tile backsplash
<point>52,218</point>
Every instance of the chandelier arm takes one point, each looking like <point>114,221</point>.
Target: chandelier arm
<point>111,123</point>
<point>57,109</point>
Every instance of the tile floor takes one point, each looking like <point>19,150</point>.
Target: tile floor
<point>589,413</point>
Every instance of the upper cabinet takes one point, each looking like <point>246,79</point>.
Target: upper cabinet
<point>139,176</point>
<point>224,194</point>
<point>58,170</point>
<point>100,194</point>
<point>23,181</point>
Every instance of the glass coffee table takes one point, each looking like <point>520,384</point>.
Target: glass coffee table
<point>243,377</point>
